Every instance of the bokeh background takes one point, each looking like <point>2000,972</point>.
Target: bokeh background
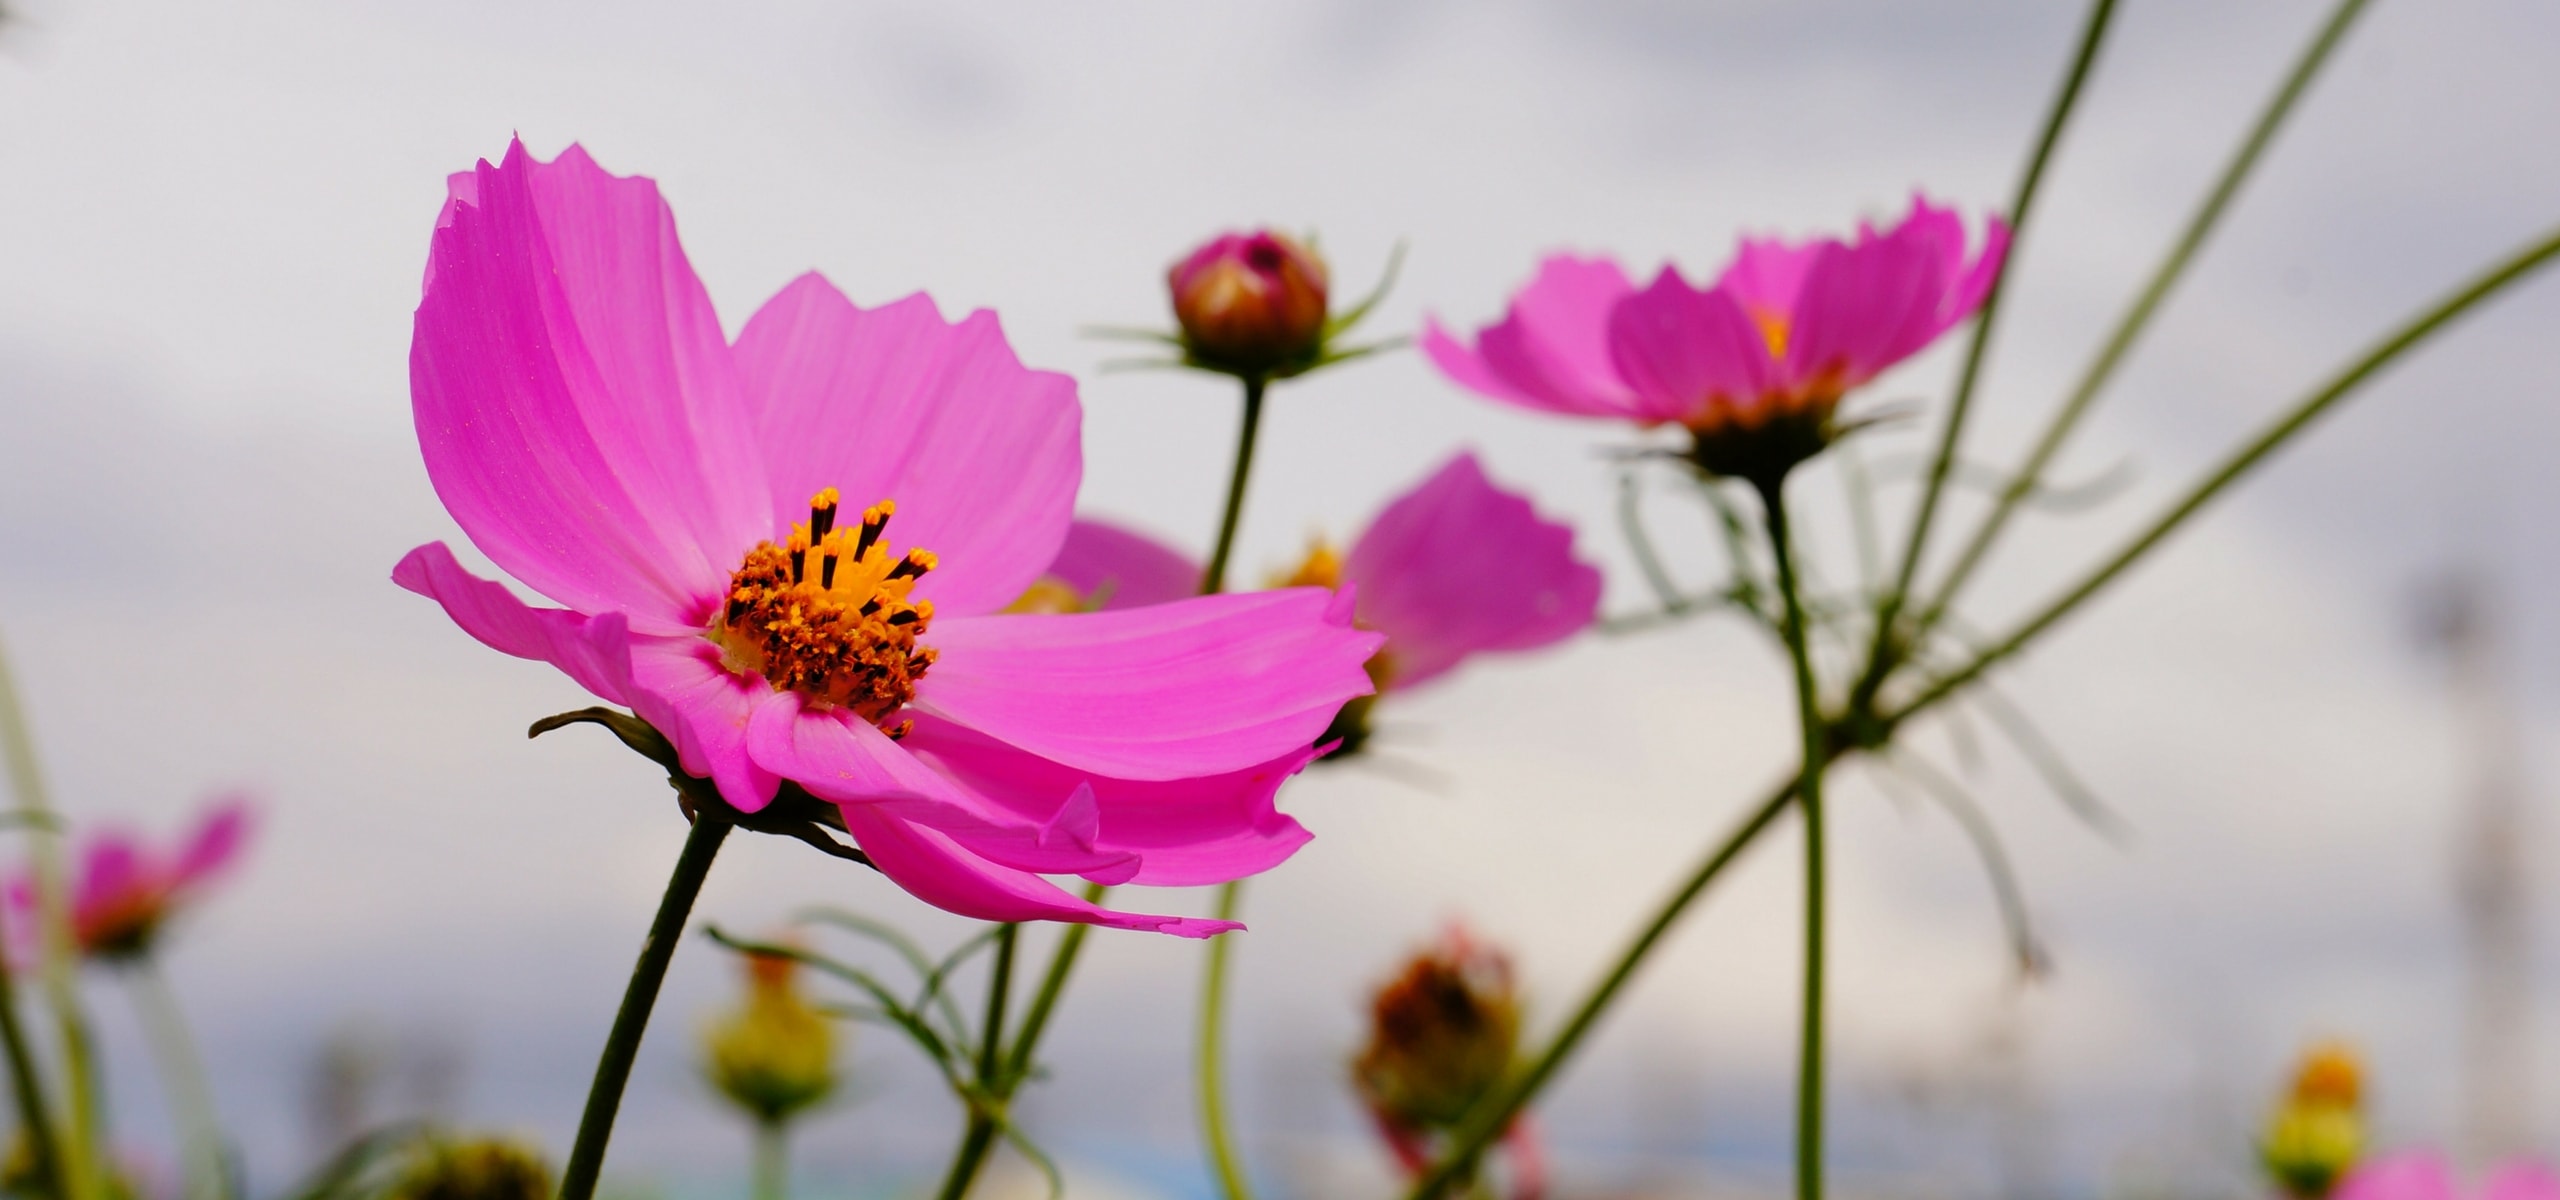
<point>212,220</point>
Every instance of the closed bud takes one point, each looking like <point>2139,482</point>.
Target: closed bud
<point>2317,1132</point>
<point>774,1055</point>
<point>1441,1036</point>
<point>481,1168</point>
<point>1251,304</point>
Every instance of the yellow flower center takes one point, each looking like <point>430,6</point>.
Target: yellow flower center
<point>1322,568</point>
<point>826,615</point>
<point>1773,330</point>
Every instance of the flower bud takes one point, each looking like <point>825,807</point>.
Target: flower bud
<point>482,1168</point>
<point>1441,1036</point>
<point>1251,304</point>
<point>2317,1132</point>
<point>774,1055</point>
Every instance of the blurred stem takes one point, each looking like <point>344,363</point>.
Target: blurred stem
<point>2242,460</point>
<point>35,1113</point>
<point>1035,1021</point>
<point>622,1044</point>
<point>1809,798</point>
<point>78,1153</point>
<point>992,1089</point>
<point>1214,580</point>
<point>2130,326</point>
<point>1882,658</point>
<point>1213,1083</point>
<point>1487,1121</point>
<point>773,1160</point>
<point>182,1070</point>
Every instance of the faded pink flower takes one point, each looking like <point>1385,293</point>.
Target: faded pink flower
<point>1454,568</point>
<point>592,430</point>
<point>2425,1175</point>
<point>1753,366</point>
<point>124,888</point>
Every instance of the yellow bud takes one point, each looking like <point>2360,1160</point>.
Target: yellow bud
<point>1441,1035</point>
<point>482,1168</point>
<point>774,1055</point>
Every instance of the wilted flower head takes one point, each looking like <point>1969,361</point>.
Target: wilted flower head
<point>2317,1131</point>
<point>1442,1034</point>
<point>774,1055</point>
<point>1454,568</point>
<point>125,888</point>
<point>789,555</point>
<point>1251,303</point>
<point>2425,1175</point>
<point>473,1168</point>
<point>1753,367</point>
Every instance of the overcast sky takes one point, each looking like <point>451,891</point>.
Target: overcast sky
<point>212,219</point>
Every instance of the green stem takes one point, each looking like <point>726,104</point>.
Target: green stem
<point>1809,796</point>
<point>773,1161</point>
<point>1214,580</point>
<point>35,1113</point>
<point>1035,1020</point>
<point>2093,33</point>
<point>78,1155</point>
<point>992,1089</point>
<point>190,1094</point>
<point>1487,1121</point>
<point>622,1044</point>
<point>1213,1084</point>
<point>2129,327</point>
<point>2248,456</point>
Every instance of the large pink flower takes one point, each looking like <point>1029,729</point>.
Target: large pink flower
<point>1454,568</point>
<point>2425,1175</point>
<point>126,887</point>
<point>1784,333</point>
<point>594,433</point>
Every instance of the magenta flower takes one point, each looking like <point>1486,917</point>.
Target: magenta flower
<point>1753,366</point>
<point>2425,1175</point>
<point>125,888</point>
<point>1454,568</point>
<point>594,433</point>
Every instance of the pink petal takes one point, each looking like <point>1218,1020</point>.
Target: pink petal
<point>1196,687</point>
<point>1458,566</point>
<point>1856,302</point>
<point>1121,568</point>
<point>1766,275</point>
<point>217,841</point>
<point>935,870</point>
<point>114,868</point>
<point>1186,832</point>
<point>574,395</point>
<point>488,611</point>
<point>679,686</point>
<point>1686,352</point>
<point>981,454</point>
<point>2522,1179</point>
<point>1551,349</point>
<point>840,757</point>
<point>2414,1175</point>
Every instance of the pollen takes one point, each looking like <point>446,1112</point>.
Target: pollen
<point>828,614</point>
<point>1322,568</point>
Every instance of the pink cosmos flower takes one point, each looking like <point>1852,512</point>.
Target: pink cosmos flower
<point>2425,1175</point>
<point>1756,364</point>
<point>1453,568</point>
<point>125,888</point>
<point>595,434</point>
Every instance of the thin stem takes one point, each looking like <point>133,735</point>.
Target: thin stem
<point>2129,327</point>
<point>35,1113</point>
<point>190,1094</point>
<point>2093,33</point>
<point>1035,1020</point>
<point>773,1160</point>
<point>2241,461</point>
<point>1213,1084</point>
<point>1487,1121</point>
<point>1640,544</point>
<point>1214,580</point>
<point>992,1089</point>
<point>622,1044</point>
<point>1809,798</point>
<point>78,1157</point>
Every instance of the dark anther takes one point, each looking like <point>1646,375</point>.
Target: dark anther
<point>903,617</point>
<point>871,606</point>
<point>871,529</point>
<point>821,520</point>
<point>799,564</point>
<point>827,568</point>
<point>907,568</point>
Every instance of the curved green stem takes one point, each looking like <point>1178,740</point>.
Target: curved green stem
<point>1053,983</point>
<point>1213,1084</point>
<point>35,1113</point>
<point>2129,327</point>
<point>78,1152</point>
<point>992,1089</point>
<point>2093,33</point>
<point>2241,461</point>
<point>1809,1070</point>
<point>622,1043</point>
<point>1214,579</point>
<point>190,1093</point>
